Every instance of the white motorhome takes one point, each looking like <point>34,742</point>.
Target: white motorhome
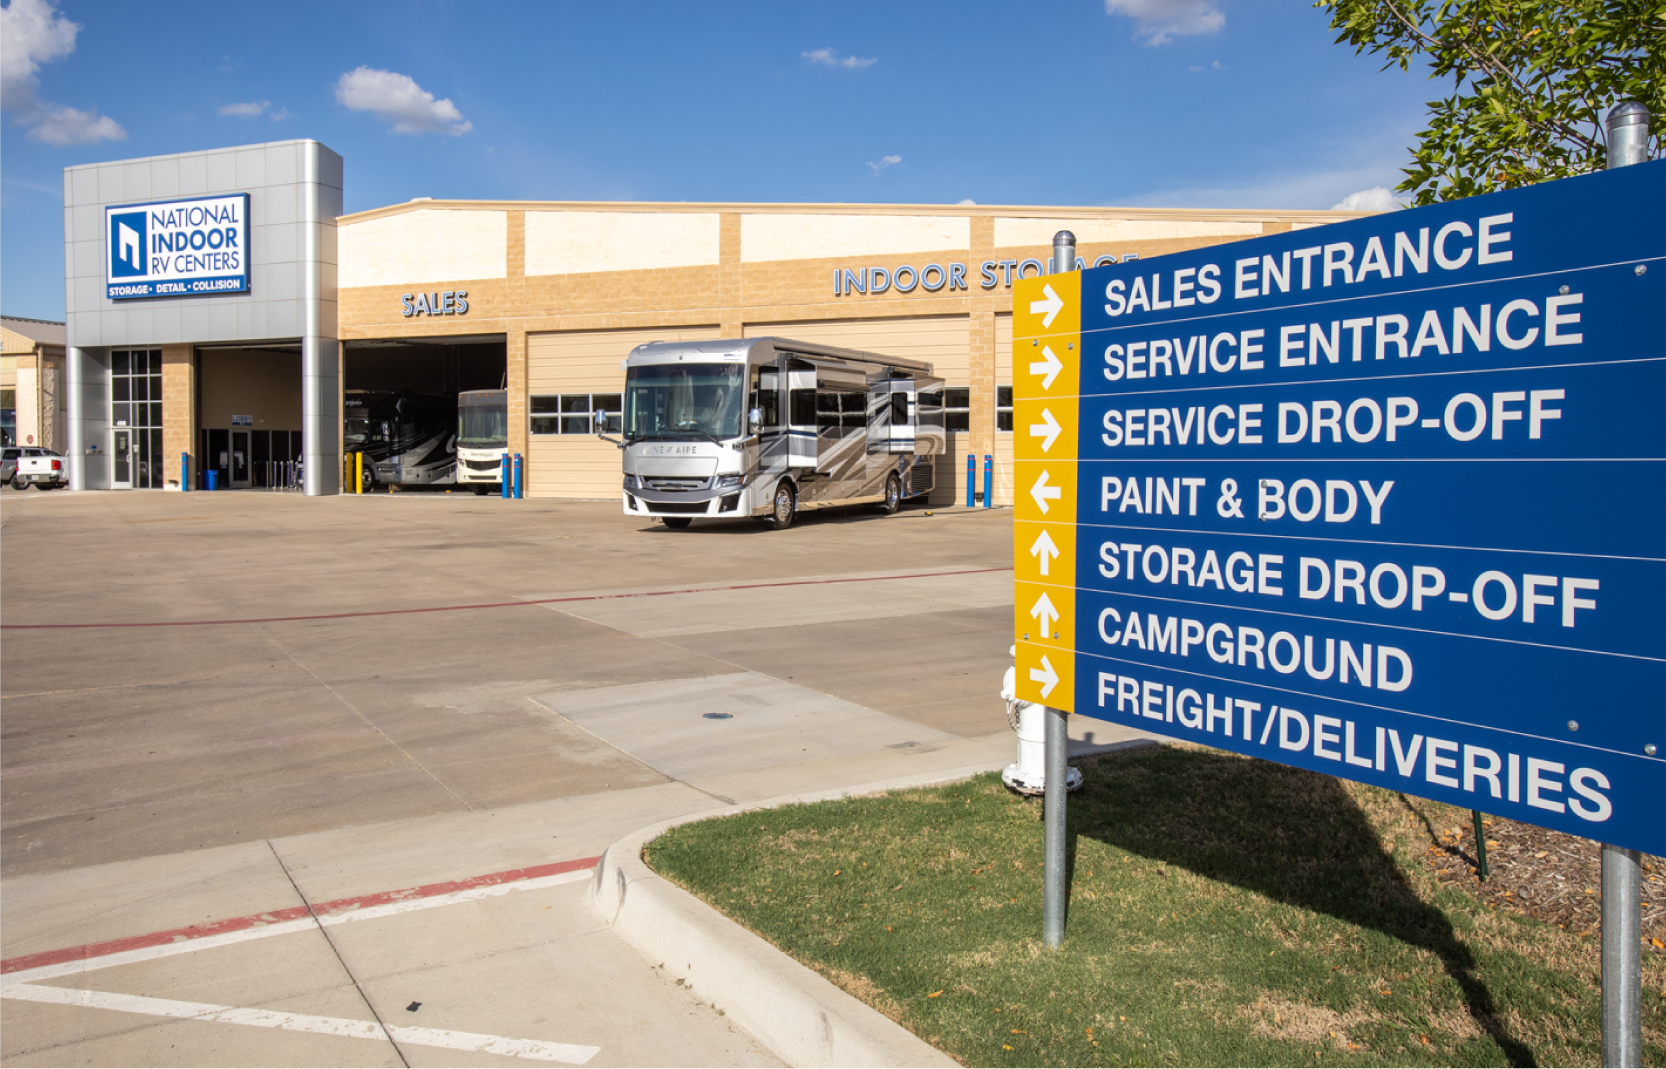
<point>767,427</point>
<point>482,438</point>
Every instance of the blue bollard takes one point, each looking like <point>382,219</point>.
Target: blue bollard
<point>504,484</point>
<point>971,479</point>
<point>988,480</point>
<point>185,471</point>
<point>518,491</point>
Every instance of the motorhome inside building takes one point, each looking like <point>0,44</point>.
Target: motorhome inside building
<point>223,315</point>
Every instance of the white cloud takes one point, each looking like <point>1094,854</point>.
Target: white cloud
<point>1159,22</point>
<point>969,201</point>
<point>247,111</point>
<point>826,57</point>
<point>397,99</point>
<point>32,32</point>
<point>280,115</point>
<point>884,162</point>
<point>59,125</point>
<point>1375,199</point>
<point>1215,66</point>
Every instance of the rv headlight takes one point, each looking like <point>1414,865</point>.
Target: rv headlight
<point>725,481</point>
<point>630,481</point>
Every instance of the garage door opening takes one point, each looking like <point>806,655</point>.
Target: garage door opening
<point>400,404</point>
<point>249,413</point>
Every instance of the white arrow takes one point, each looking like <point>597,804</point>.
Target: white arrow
<point>1045,615</point>
<point>1047,368</point>
<point>1045,676</point>
<point>1047,430</point>
<point>1044,551</point>
<point>1043,493</point>
<point>1049,308</point>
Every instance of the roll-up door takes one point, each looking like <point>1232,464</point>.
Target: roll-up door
<point>569,375</point>
<point>944,342</point>
<point>1003,409</point>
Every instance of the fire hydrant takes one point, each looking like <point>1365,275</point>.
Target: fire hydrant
<point>1028,774</point>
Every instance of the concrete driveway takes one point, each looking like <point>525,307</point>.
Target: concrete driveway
<point>323,784</point>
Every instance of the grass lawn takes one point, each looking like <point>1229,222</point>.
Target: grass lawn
<point>1223,911</point>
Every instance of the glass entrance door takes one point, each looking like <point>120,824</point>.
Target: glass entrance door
<point>121,457</point>
<point>136,415</point>
<point>239,459</point>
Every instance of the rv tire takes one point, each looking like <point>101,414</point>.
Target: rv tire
<point>676,523</point>
<point>783,507</point>
<point>893,495</point>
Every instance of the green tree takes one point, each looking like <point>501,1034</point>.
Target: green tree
<point>1532,82</point>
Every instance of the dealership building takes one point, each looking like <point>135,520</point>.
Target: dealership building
<point>219,306</point>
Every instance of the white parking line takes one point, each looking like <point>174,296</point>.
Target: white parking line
<point>20,985</point>
<point>530,1049</point>
<point>191,946</point>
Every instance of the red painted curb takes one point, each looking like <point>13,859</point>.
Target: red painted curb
<point>90,951</point>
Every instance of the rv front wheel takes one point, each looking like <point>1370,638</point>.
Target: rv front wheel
<point>676,523</point>
<point>893,495</point>
<point>786,506</point>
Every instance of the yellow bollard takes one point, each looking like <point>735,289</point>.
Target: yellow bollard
<point>358,473</point>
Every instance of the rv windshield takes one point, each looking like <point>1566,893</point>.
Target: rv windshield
<point>360,431</point>
<point>671,400</point>
<point>483,427</point>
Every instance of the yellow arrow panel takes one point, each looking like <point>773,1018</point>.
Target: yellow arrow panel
<point>1044,490</point>
<point>1044,553</point>
<point>1046,367</point>
<point>1047,306</point>
<point>1044,614</point>
<point>1047,675</point>
<point>1046,336</point>
<point>1044,429</point>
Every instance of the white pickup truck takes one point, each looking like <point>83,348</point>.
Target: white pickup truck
<point>44,470</point>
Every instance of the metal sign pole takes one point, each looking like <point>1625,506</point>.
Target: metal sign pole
<point>1622,869</point>
<point>1058,741</point>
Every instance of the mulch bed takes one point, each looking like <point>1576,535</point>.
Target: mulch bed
<point>1544,874</point>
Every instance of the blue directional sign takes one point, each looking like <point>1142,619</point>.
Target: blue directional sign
<point>1384,499</point>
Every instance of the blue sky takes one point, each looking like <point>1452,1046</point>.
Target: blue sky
<point>1170,103</point>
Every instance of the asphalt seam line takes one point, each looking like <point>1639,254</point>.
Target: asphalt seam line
<point>506,604</point>
<point>312,914</point>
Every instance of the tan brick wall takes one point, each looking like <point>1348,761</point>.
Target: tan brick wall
<point>745,298</point>
<point>179,412</point>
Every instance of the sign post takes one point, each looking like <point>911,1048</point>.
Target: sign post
<point>1057,789</point>
<point>1378,499</point>
<point>1622,869</point>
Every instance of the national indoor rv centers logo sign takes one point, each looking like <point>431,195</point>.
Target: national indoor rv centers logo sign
<point>177,248</point>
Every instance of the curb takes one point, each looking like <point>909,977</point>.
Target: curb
<point>800,1016</point>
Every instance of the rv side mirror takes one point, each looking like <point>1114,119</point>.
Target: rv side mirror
<point>755,420</point>
<point>599,425</point>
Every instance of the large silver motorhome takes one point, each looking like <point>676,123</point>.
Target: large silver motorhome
<point>767,427</point>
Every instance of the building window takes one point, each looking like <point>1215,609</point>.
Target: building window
<point>1003,408</point>
<point>571,413</point>
<point>136,417</point>
<point>957,408</point>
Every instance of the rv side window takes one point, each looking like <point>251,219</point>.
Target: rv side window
<point>899,409</point>
<point>801,408</point>
<point>957,404</point>
<point>1003,408</point>
<point>766,395</point>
